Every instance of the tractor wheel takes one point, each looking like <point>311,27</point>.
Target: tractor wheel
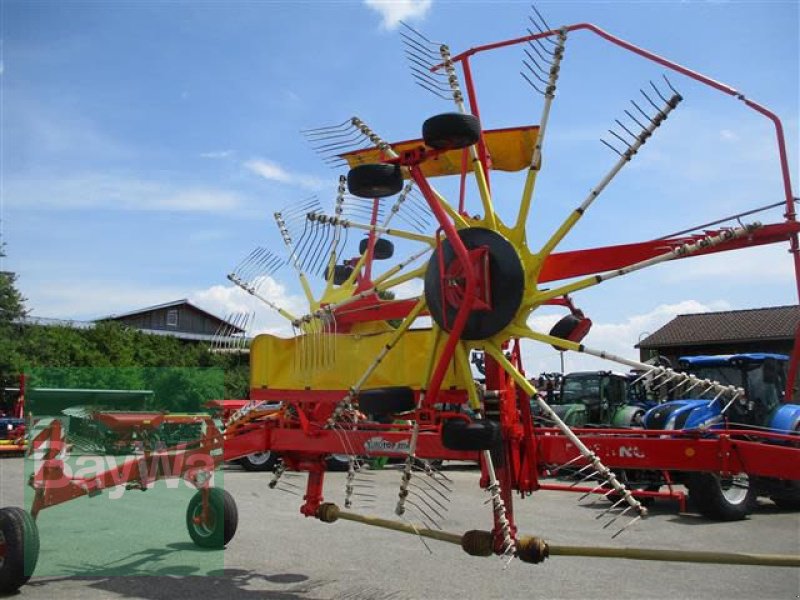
<point>223,519</point>
<point>384,249</point>
<point>19,548</point>
<point>450,131</point>
<point>458,434</point>
<point>387,401</point>
<point>259,461</point>
<point>341,273</point>
<point>375,181</point>
<point>788,498</point>
<point>729,498</point>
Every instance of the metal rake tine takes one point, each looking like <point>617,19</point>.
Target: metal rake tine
<point>639,108</point>
<point>612,521</point>
<point>424,80</point>
<point>426,516</point>
<point>611,147</point>
<point>417,60</point>
<point>653,104</point>
<point>430,506</point>
<point>628,131</point>
<point>331,134</point>
<point>533,72</point>
<point>543,20</point>
<point>658,92</point>
<point>612,507</point>
<point>432,91</point>
<point>538,41</point>
<point>568,463</point>
<point>539,71</point>
<point>315,129</point>
<point>587,478</point>
<point>628,524</point>
<point>616,135</point>
<point>634,119</point>
<point>439,482</point>
<point>544,59</point>
<point>593,490</point>
<point>427,495</point>
<point>669,84</point>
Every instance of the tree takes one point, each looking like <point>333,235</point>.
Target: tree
<point>12,304</point>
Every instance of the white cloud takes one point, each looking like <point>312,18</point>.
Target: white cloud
<point>272,171</point>
<point>616,338</point>
<point>86,299</point>
<point>764,264</point>
<point>225,300</point>
<point>100,191</point>
<point>394,11</point>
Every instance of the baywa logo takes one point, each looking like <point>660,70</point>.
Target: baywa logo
<point>379,444</point>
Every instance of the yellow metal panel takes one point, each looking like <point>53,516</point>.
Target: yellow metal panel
<point>510,150</point>
<point>275,362</point>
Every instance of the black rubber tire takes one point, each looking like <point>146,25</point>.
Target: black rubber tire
<point>564,328</point>
<point>261,461</point>
<point>337,462</point>
<point>458,434</point>
<point>789,497</point>
<point>384,249</point>
<point>341,273</point>
<point>450,131</point>
<point>375,180</point>
<point>387,401</point>
<point>21,537</point>
<point>708,497</point>
<point>224,519</point>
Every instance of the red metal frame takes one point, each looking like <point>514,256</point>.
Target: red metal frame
<point>299,429</point>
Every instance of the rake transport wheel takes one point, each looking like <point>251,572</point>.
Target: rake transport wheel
<point>19,548</point>
<point>260,461</point>
<point>387,401</point>
<point>384,249</point>
<point>375,181</point>
<point>220,526</point>
<point>458,434</point>
<point>722,498</point>
<point>451,131</point>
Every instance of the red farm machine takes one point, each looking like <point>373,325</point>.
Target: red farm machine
<point>360,378</point>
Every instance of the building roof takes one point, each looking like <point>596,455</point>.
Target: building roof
<point>182,302</point>
<point>755,324</point>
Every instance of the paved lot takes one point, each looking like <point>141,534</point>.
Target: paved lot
<point>137,547</point>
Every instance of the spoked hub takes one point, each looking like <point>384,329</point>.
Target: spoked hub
<point>497,297</point>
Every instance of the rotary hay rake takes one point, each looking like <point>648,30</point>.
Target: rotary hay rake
<point>357,379</point>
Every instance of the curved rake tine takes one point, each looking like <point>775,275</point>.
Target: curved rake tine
<point>612,147</point>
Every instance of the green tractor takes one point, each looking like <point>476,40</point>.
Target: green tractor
<point>601,399</point>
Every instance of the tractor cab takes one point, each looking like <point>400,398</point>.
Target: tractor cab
<point>591,397</point>
<point>761,375</point>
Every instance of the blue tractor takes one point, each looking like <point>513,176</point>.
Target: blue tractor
<point>763,407</point>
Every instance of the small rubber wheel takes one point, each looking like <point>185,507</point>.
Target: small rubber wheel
<point>719,498</point>
<point>337,462</point>
<point>450,131</point>
<point>375,181</point>
<point>387,401</point>
<point>259,461</point>
<point>341,273</point>
<point>223,519</point>
<point>458,434</point>
<point>19,548</point>
<point>384,249</point>
<point>569,328</point>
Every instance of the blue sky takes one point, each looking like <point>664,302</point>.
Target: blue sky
<point>145,146</point>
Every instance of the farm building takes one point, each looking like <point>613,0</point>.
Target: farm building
<point>729,332</point>
<point>180,319</point>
